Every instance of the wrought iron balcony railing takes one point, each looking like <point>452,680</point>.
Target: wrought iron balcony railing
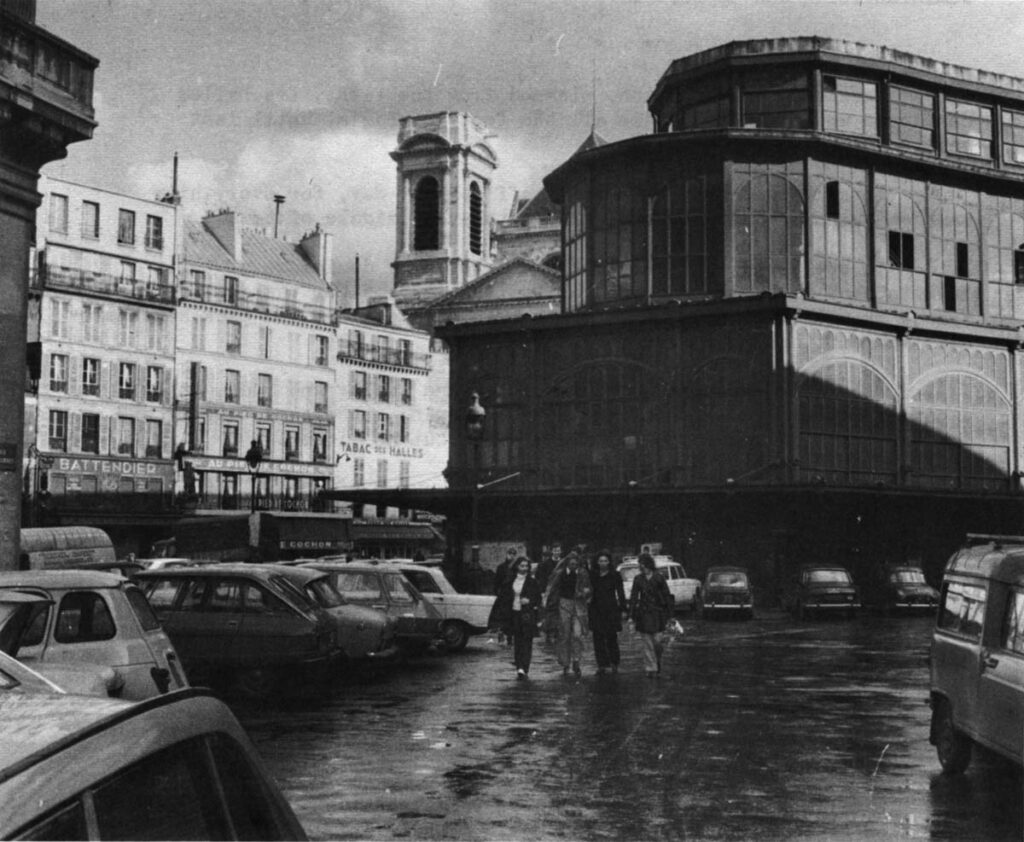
<point>389,356</point>
<point>231,297</point>
<point>59,277</point>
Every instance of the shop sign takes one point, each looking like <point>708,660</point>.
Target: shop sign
<point>399,451</point>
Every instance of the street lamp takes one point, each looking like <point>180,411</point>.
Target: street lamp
<point>253,458</point>
<point>475,415</point>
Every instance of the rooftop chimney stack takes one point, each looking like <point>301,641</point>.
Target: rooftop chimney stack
<point>278,201</point>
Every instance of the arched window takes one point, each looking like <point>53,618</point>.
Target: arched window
<point>476,219</point>
<point>426,220</point>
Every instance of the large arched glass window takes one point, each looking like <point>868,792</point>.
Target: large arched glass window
<point>426,218</point>
<point>476,219</point>
<point>768,228</point>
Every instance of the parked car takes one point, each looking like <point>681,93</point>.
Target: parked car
<point>177,766</point>
<point>901,588</point>
<point>823,589</point>
<point>977,653</point>
<point>378,585</point>
<point>242,626</point>
<point>363,633</point>
<point>727,591</point>
<point>463,614</point>
<point>99,620</point>
<point>685,591</point>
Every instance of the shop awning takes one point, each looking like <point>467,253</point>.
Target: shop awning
<point>395,532</point>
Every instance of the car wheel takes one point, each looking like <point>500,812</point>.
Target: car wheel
<point>256,683</point>
<point>455,635</point>
<point>952,746</point>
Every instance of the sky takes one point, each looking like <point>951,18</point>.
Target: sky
<point>303,97</point>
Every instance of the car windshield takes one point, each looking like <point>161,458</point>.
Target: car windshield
<point>908,577</point>
<point>727,579</point>
<point>357,585</point>
<point>398,588</point>
<point>828,577</point>
<point>323,593</point>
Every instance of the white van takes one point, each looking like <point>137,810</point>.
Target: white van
<point>977,653</point>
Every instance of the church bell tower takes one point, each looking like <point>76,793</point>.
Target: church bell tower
<point>445,170</point>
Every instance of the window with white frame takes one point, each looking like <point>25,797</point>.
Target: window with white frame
<point>319,396</point>
<point>358,473</point>
<point>359,385</point>
<point>197,277</point>
<point>230,289</point>
<point>384,388</point>
<point>198,334</point>
<point>58,213</point>
<point>154,438</point>
<point>60,319</point>
<point>403,474</point>
<point>321,348</point>
<point>264,390</point>
<point>382,473</point>
<point>234,338</point>
<point>358,424</point>
<point>91,377</point>
<point>230,445</point>
<point>156,332</point>
<point>90,432</point>
<point>291,444</point>
<point>58,430</point>
<point>128,273</point>
<point>319,446</point>
<point>154,232</point>
<point>154,384</point>
<point>126,227</point>
<point>263,438</point>
<point>404,352</point>
<point>92,326</point>
<point>126,436</point>
<point>355,343</point>
<point>381,349</point>
<point>232,386</point>
<point>128,328</point>
<point>90,220</point>
<point>407,391</point>
<point>126,381</point>
<point>59,373</point>
<point>155,280</point>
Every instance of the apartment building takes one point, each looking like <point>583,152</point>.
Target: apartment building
<point>101,355</point>
<point>256,341</point>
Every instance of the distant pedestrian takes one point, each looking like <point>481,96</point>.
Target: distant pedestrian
<point>547,564</point>
<point>505,569</point>
<point>516,607</point>
<point>607,607</point>
<point>650,608</point>
<point>569,594</point>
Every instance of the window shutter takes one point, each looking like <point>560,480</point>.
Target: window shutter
<point>105,425</point>
<point>105,379</point>
<point>168,399</point>
<point>75,432</point>
<point>166,446</point>
<point>351,423</point>
<point>113,427</point>
<point>74,376</point>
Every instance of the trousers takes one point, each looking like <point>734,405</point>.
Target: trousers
<point>522,640</point>
<point>570,633</point>
<point>652,645</point>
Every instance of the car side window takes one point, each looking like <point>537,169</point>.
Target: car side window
<point>226,596</point>
<point>358,587</point>
<point>83,617</point>
<point>424,582</point>
<point>194,593</point>
<point>35,629</point>
<point>67,823</point>
<point>142,609</point>
<point>161,593</point>
<point>256,600</point>
<point>1013,623</point>
<point>252,812</point>
<point>397,588</point>
<point>962,610</point>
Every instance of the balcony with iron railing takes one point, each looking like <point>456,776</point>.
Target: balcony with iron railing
<point>100,283</point>
<point>263,503</point>
<point>227,296</point>
<point>387,356</point>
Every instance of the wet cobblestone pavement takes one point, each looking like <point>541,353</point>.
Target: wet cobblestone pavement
<point>767,729</point>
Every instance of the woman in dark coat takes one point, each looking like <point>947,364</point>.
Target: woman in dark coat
<point>607,605</point>
<point>650,607</point>
<point>516,610</point>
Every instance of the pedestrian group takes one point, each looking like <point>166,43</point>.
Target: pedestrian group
<point>569,600</point>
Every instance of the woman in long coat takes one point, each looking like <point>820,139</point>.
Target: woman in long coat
<point>607,607</point>
<point>516,610</point>
<point>568,593</point>
<point>650,608</point>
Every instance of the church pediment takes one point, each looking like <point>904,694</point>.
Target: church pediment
<point>513,280</point>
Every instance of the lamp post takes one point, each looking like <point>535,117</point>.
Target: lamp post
<point>253,458</point>
<point>475,415</point>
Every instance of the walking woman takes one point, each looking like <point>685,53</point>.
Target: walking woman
<point>607,606</point>
<point>515,612</point>
<point>569,590</point>
<point>650,607</point>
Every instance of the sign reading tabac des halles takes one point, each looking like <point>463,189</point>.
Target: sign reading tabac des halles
<point>364,448</point>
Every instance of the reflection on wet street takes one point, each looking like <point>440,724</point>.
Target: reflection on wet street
<point>767,729</point>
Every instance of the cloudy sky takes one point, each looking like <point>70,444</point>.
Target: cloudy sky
<point>303,97</point>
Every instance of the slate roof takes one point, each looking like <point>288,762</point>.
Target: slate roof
<point>261,256</point>
<point>541,204</point>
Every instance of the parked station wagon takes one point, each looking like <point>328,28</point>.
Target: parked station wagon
<point>243,625</point>
<point>463,614</point>
<point>823,589</point>
<point>88,617</point>
<point>977,653</point>
<point>172,767</point>
<point>380,586</point>
<point>685,591</point>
